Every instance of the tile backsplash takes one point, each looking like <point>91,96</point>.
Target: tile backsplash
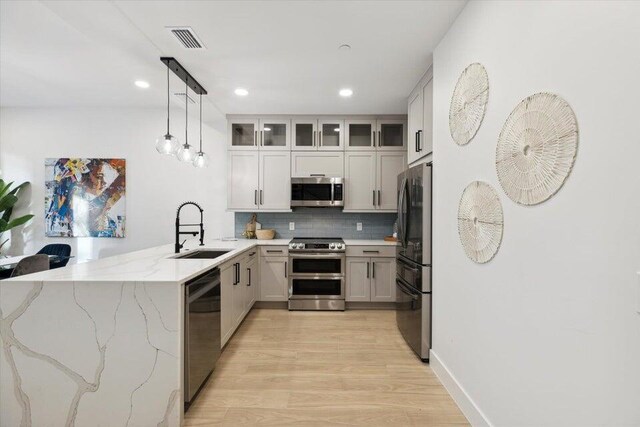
<point>310,222</point>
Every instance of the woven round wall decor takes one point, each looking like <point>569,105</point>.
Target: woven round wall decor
<point>537,148</point>
<point>480,221</point>
<point>468,103</point>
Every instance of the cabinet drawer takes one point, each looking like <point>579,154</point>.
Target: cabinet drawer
<point>371,251</point>
<point>274,250</point>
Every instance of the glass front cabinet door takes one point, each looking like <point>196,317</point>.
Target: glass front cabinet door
<point>305,134</point>
<point>330,135</point>
<point>391,134</point>
<point>243,134</point>
<point>361,134</point>
<point>274,134</point>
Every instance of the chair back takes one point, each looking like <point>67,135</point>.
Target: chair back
<point>31,264</point>
<point>61,250</point>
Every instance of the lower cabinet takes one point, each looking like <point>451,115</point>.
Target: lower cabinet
<point>371,279</point>
<point>239,280</point>
<point>274,284</point>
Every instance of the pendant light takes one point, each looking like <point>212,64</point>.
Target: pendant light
<point>167,143</point>
<point>201,160</point>
<point>186,153</point>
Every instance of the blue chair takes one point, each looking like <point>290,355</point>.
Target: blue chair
<point>61,250</point>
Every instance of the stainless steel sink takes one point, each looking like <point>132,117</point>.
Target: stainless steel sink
<point>202,254</point>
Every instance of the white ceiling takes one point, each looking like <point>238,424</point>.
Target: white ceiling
<point>69,53</point>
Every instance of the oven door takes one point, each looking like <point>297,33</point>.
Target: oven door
<point>317,264</point>
<point>304,288</point>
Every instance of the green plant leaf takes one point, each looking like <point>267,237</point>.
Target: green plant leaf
<point>3,225</point>
<point>4,188</point>
<point>19,188</point>
<point>18,221</point>
<point>7,202</point>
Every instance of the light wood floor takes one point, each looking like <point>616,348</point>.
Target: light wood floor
<point>321,368</point>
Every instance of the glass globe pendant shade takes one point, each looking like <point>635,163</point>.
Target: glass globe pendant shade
<point>201,160</point>
<point>186,153</point>
<point>167,144</point>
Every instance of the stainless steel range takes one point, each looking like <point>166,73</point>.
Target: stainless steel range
<point>316,273</point>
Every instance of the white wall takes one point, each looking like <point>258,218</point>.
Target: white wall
<point>156,184</point>
<point>547,332</point>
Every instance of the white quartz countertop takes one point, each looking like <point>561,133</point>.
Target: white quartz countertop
<point>158,264</point>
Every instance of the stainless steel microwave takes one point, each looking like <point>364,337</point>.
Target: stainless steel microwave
<point>317,192</point>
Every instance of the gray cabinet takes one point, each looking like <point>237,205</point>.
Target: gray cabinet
<point>371,279</point>
<point>273,278</point>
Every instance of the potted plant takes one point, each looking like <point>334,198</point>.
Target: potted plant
<point>8,199</point>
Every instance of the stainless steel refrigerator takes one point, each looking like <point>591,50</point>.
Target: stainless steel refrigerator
<point>413,258</point>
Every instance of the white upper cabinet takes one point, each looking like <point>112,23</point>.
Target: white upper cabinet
<point>360,181</point>
<point>420,138</point>
<point>388,167</point>
<point>304,134</point>
<point>275,180</point>
<point>391,135</point>
<point>331,135</point>
<point>416,106</point>
<point>371,180</point>
<point>259,134</point>
<point>243,134</point>
<point>242,191</point>
<point>360,135</point>
<point>274,134</point>
<point>259,180</point>
<point>425,145</point>
<point>306,164</point>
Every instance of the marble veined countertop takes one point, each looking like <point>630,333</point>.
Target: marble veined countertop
<point>158,264</point>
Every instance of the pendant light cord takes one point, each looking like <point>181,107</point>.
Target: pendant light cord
<point>186,111</point>
<point>200,123</point>
<point>168,110</point>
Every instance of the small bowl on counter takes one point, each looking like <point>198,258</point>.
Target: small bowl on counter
<point>265,234</point>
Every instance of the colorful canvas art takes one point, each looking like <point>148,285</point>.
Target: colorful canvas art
<point>85,197</point>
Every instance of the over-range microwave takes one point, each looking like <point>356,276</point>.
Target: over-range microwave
<point>317,192</point>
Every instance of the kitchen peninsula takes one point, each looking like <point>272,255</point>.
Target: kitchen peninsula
<point>90,331</point>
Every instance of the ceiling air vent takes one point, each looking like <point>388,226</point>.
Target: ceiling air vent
<point>187,37</point>
<point>180,97</point>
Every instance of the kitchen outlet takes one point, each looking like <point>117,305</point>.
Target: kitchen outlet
<point>292,226</point>
<point>358,226</point>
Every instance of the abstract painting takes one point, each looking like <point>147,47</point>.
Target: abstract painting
<point>85,197</point>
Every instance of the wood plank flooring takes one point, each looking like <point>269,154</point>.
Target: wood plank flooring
<point>320,369</point>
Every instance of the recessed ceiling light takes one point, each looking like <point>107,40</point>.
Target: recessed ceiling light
<point>344,47</point>
<point>345,92</point>
<point>241,91</point>
<point>142,84</point>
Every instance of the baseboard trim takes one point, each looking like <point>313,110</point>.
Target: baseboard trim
<point>468,407</point>
<point>271,304</point>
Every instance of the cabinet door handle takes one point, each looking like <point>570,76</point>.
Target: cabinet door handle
<point>249,282</point>
<point>314,138</point>
<point>285,269</point>
<point>419,141</point>
<point>261,201</point>
<point>367,270</point>
<point>320,138</point>
<point>370,252</point>
<point>374,197</point>
<point>273,251</point>
<point>255,138</point>
<point>235,274</point>
<point>416,141</point>
<point>379,139</point>
<point>262,138</point>
<point>373,132</point>
<point>373,270</point>
<point>255,197</point>
<point>379,198</point>
<point>316,174</point>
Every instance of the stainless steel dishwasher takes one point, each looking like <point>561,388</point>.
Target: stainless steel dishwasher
<point>201,331</point>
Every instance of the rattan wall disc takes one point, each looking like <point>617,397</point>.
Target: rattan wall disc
<point>468,103</point>
<point>480,221</point>
<point>537,148</point>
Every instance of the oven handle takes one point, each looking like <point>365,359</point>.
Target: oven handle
<point>316,255</point>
